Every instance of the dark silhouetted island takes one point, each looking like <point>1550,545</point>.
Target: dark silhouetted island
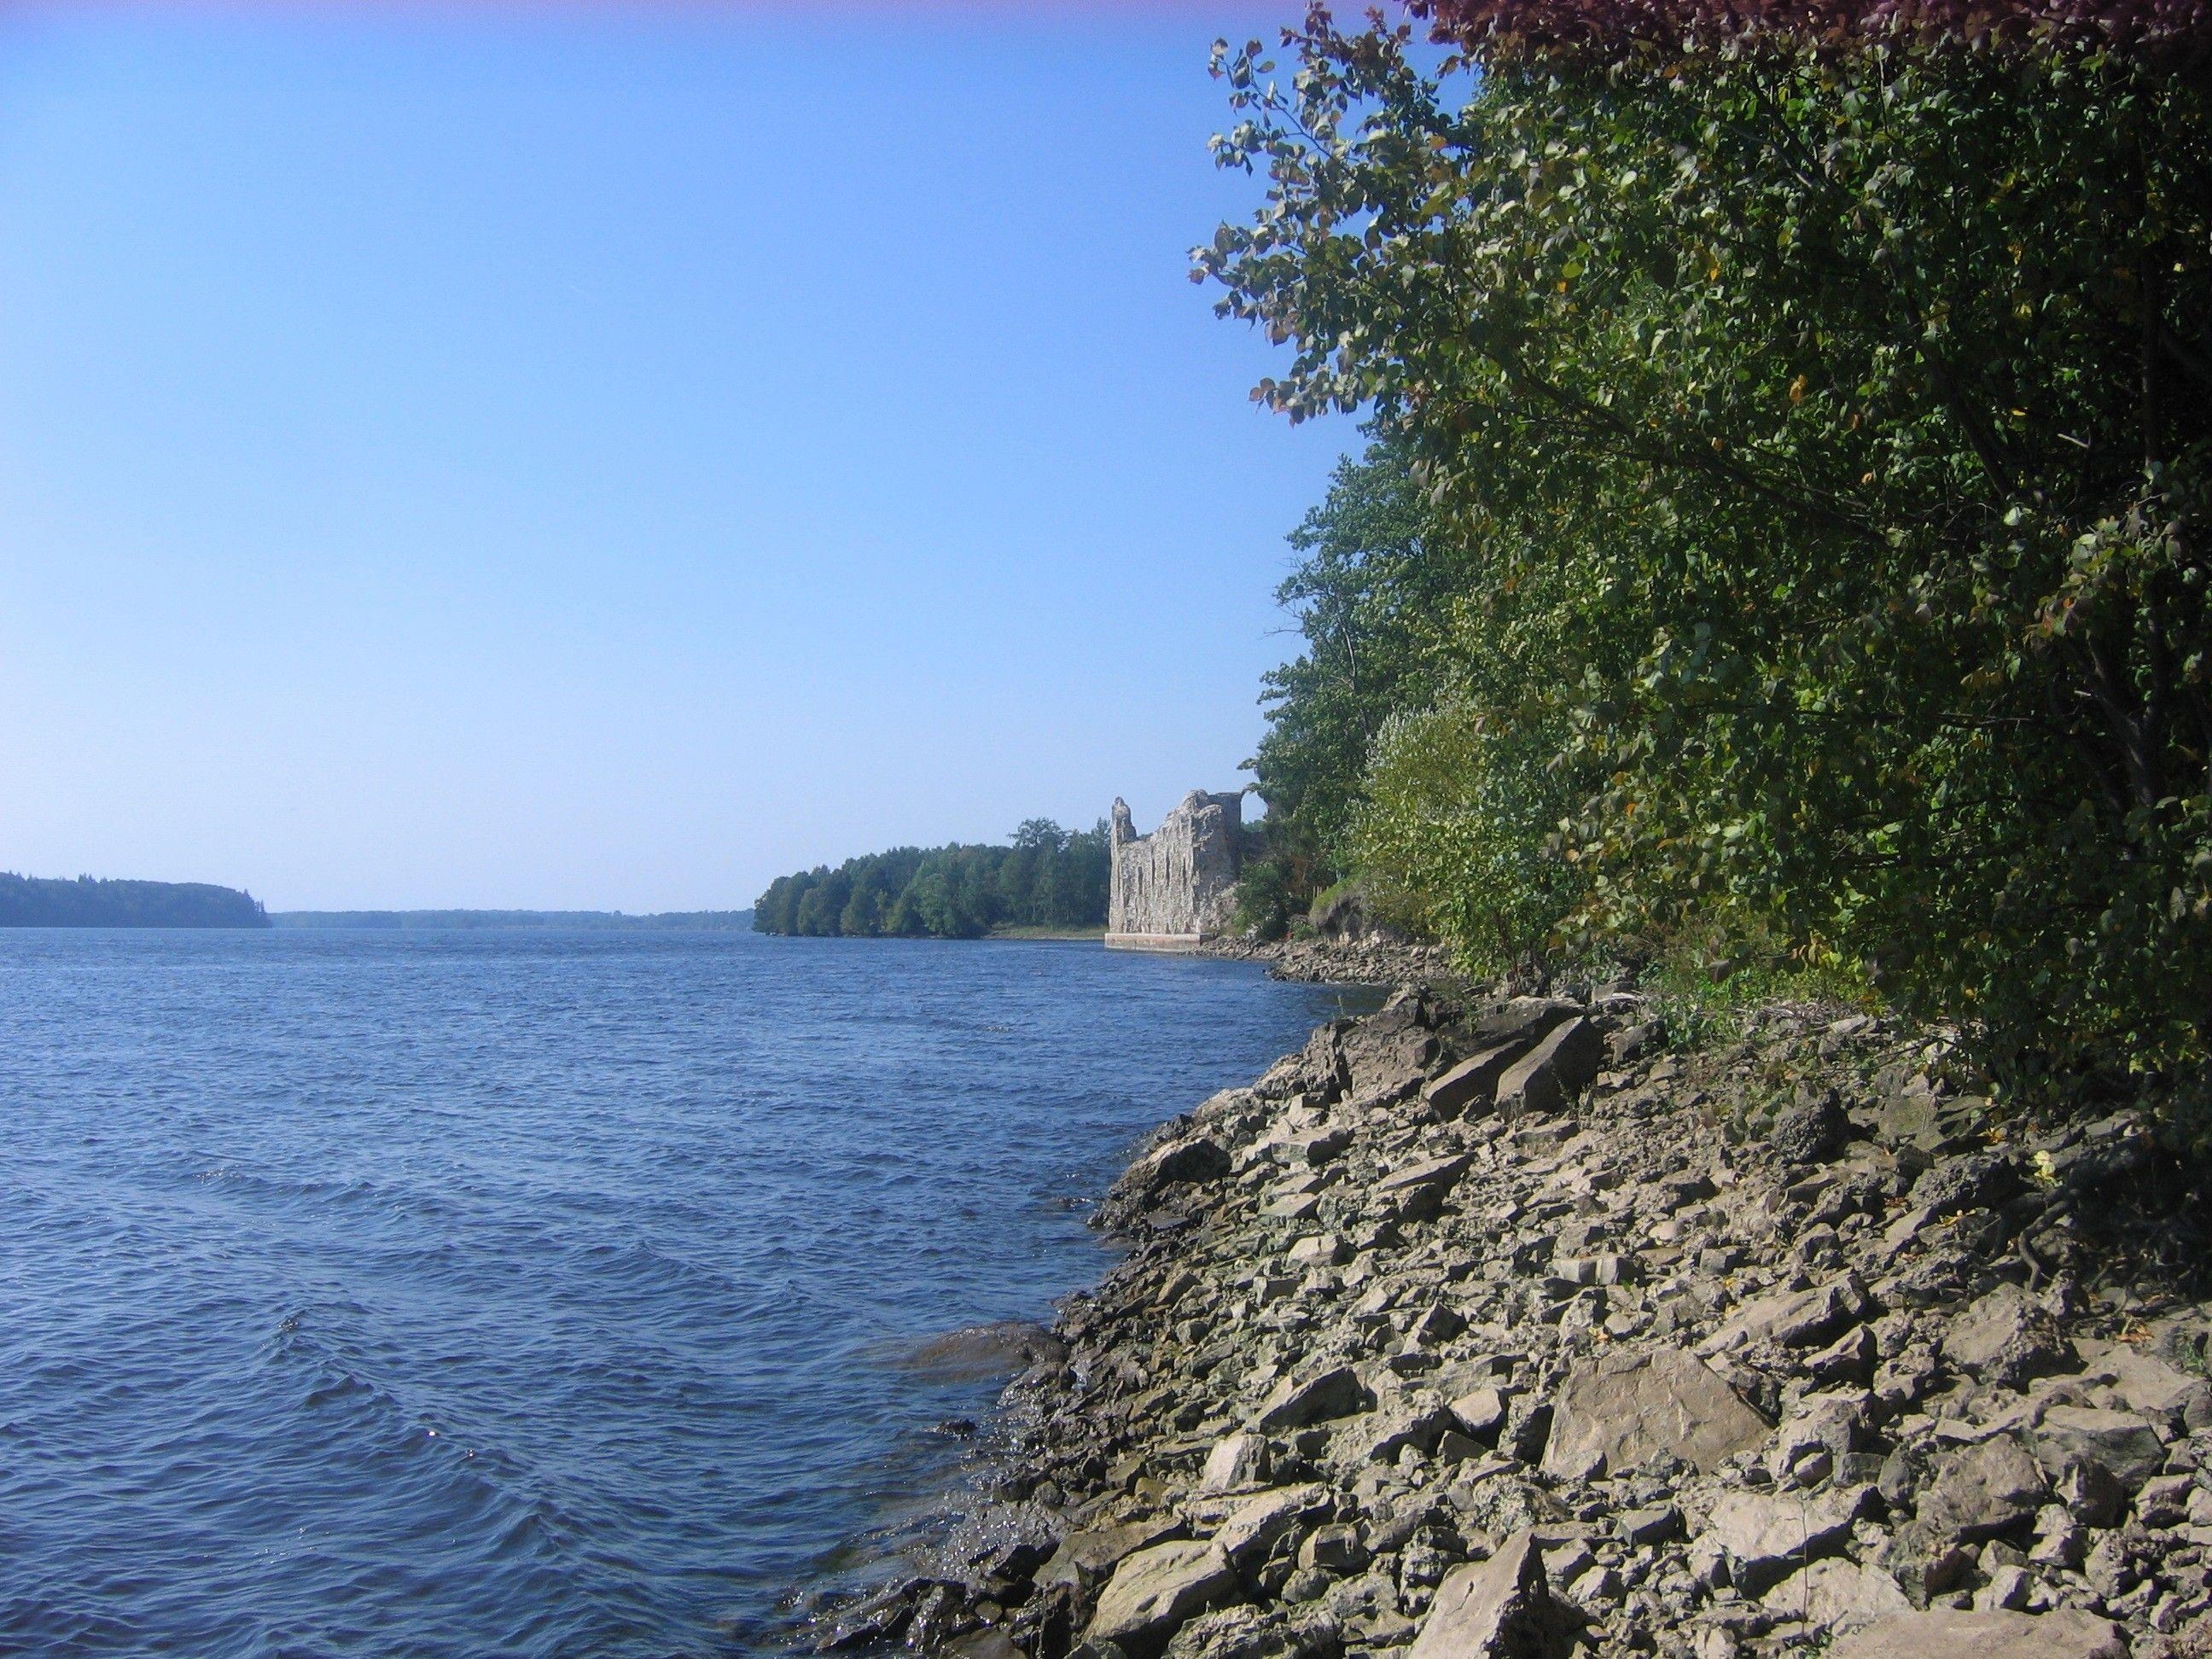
<point>52,901</point>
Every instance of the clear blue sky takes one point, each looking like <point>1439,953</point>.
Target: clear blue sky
<point>589,458</point>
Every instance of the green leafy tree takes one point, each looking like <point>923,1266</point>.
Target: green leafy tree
<point>1821,434</point>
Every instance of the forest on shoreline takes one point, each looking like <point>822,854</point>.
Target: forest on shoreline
<point>53,901</point>
<point>1048,880</point>
<point>1781,557</point>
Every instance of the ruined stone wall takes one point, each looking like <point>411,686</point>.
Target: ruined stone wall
<point>1177,884</point>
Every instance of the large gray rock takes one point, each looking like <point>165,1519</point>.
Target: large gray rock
<point>1502,1608</point>
<point>1621,1408</point>
<point>2007,1338</point>
<point>1418,1189</point>
<point>2147,1383</point>
<point>1300,1402</point>
<point>1194,1160</point>
<point>1237,1460</point>
<point>1155,1590</point>
<point>1255,1526</point>
<point>1086,1557</point>
<point>1522,1020</point>
<point>1249,1633</point>
<point>1837,1596</point>
<point>1949,1635</point>
<point>1472,1086</point>
<point>2122,1443</point>
<point>1769,1535</point>
<point>1811,1132</point>
<point>1795,1319</point>
<point>1981,1490</point>
<point>1983,1182</point>
<point>1554,1072</point>
<point>1380,1435</point>
<point>1388,1052</point>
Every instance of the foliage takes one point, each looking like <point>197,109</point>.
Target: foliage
<point>36,901</point>
<point>1367,593</point>
<point>1050,877</point>
<point>1820,437</point>
<point>2168,33</point>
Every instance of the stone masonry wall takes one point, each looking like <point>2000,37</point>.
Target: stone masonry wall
<point>1178,883</point>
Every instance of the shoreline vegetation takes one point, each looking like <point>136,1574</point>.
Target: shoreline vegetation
<point>1047,878</point>
<point>1783,546</point>
<point>51,902</point>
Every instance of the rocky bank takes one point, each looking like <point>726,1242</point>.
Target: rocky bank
<point>1509,1329</point>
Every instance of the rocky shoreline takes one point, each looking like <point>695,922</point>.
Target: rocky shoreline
<point>1371,958</point>
<point>1488,1328</point>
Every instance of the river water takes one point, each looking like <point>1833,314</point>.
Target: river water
<point>533,1293</point>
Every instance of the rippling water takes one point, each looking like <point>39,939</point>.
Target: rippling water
<point>530,1293</point>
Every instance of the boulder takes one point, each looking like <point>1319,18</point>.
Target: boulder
<point>1522,1020</point>
<point>1619,1409</point>
<point>2007,1338</point>
<point>1472,1086</point>
<point>1949,1635</point>
<point>1380,1435</point>
<point>1811,1132</point>
<point>1255,1526</point>
<point>1837,1596</point>
<point>1085,1557</point>
<point>1768,1536</point>
<point>1249,1633</point>
<point>2123,1444</point>
<point>1981,1490</point>
<point>2147,1383</point>
<point>1325,1066</point>
<point>1197,1160</point>
<point>1795,1319</point>
<point>1985,1182</point>
<point>1501,1608</point>
<point>1301,1402</point>
<point>1419,1189</point>
<point>1387,1053</point>
<point>1480,1411</point>
<point>1237,1460</point>
<point>1155,1590</point>
<point>1551,1073</point>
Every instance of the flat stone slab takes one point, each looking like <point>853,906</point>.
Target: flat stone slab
<point>1501,1608</point>
<point>1155,1590</point>
<point>1300,1402</point>
<point>1619,1410</point>
<point>1949,1635</point>
<point>1837,1596</point>
<point>1981,1490</point>
<point>2006,1337</point>
<point>2125,1445</point>
<point>1769,1535</point>
<point>1798,1319</point>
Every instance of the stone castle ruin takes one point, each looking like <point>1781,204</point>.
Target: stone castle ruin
<point>1174,887</point>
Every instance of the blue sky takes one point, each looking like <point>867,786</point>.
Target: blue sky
<point>604,460</point>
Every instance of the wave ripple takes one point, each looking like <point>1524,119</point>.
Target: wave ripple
<point>530,1293</point>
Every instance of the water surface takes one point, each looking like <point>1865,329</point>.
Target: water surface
<point>531,1292</point>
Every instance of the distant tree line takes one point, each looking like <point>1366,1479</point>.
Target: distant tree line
<point>40,902</point>
<point>1048,877</point>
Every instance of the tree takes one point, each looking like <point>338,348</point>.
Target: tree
<point>1820,424</point>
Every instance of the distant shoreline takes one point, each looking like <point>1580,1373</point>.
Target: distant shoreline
<point>693,922</point>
